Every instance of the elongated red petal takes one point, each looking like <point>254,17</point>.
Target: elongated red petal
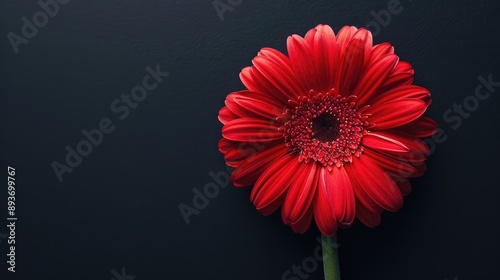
<point>369,218</point>
<point>402,75</point>
<point>344,37</point>
<point>250,169</point>
<point>422,127</point>
<point>278,57</point>
<point>240,151</point>
<point>303,223</point>
<point>417,149</point>
<point>379,51</point>
<point>300,194</point>
<point>395,168</point>
<point>252,104</point>
<point>396,113</point>
<point>279,76</point>
<point>381,141</point>
<point>403,92</point>
<point>403,67</point>
<point>251,130</point>
<point>326,57</point>
<point>405,186</point>
<point>225,145</point>
<point>375,182</point>
<point>302,61</point>
<point>225,115</point>
<point>273,183</point>
<point>309,38</point>
<point>362,199</point>
<point>247,79</point>
<point>334,200</point>
<point>235,156</point>
<point>259,83</point>
<point>352,60</point>
<point>323,212</point>
<point>374,77</point>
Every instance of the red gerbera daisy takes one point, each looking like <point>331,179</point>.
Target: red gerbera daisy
<point>331,131</point>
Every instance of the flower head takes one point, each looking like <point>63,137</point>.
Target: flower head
<point>331,131</point>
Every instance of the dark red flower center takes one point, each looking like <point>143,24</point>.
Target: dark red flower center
<point>326,128</point>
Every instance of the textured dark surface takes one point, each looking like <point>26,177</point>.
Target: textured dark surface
<point>119,207</point>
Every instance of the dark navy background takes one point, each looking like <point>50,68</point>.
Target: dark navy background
<point>119,207</point>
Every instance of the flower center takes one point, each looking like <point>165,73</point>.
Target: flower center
<point>326,128</point>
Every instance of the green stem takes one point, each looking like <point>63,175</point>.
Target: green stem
<point>330,257</point>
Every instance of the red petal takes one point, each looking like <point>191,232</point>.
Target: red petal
<point>396,80</point>
<point>375,182</point>
<point>421,166</point>
<point>403,67</point>
<point>403,92</point>
<point>251,104</point>
<point>418,150</point>
<point>362,199</point>
<point>273,183</point>
<point>235,156</point>
<point>334,200</point>
<point>344,37</point>
<point>396,113</point>
<point>278,57</point>
<point>382,141</point>
<point>381,50</point>
<point>303,223</point>
<point>280,77</point>
<point>249,79</point>
<point>309,38</point>
<point>250,169</point>
<point>422,127</point>
<point>323,213</point>
<point>395,168</point>
<point>257,82</point>
<point>225,145</point>
<point>252,130</point>
<point>344,203</point>
<point>367,38</point>
<point>240,151</point>
<point>325,57</point>
<point>352,60</point>
<point>271,208</point>
<point>323,206</point>
<point>225,115</point>
<point>302,61</point>
<point>300,194</point>
<point>405,186</point>
<point>413,143</point>
<point>369,218</point>
<point>374,77</point>
<point>402,75</point>
<point>283,62</point>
